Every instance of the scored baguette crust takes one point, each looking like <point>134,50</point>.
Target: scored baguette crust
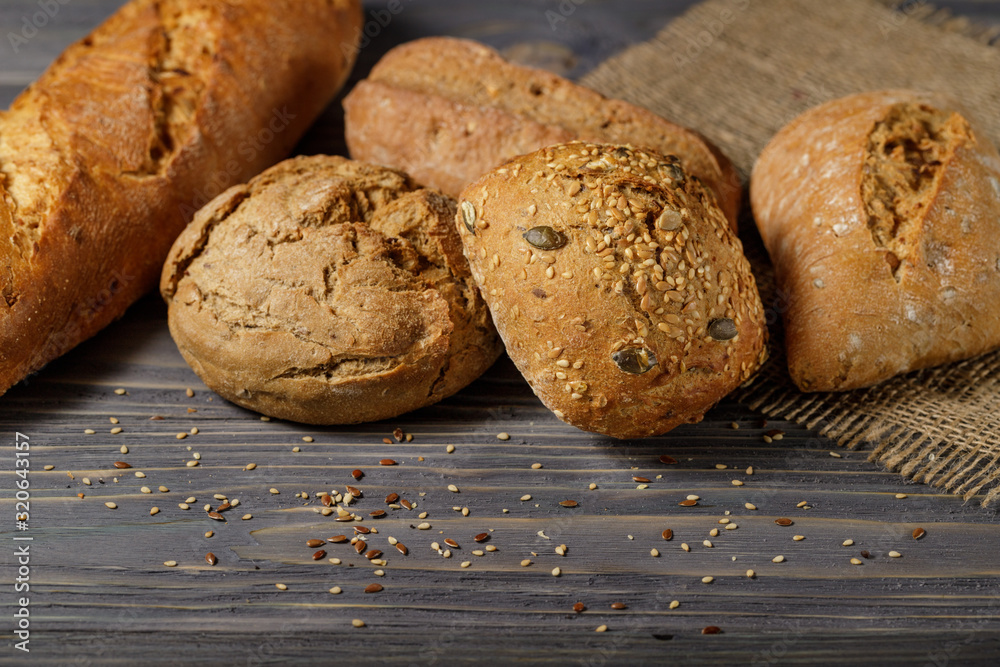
<point>880,277</point>
<point>328,291</point>
<point>617,285</point>
<point>105,158</point>
<point>448,110</point>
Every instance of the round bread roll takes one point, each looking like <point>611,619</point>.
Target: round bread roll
<point>328,291</point>
<point>616,283</point>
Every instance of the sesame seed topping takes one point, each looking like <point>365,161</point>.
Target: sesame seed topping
<point>895,554</point>
<point>503,436</point>
<point>707,580</point>
<point>778,559</point>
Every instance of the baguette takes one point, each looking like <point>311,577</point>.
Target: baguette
<point>448,110</point>
<point>880,211</point>
<point>106,157</point>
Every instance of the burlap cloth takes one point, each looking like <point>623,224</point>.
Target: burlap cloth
<point>737,70</point>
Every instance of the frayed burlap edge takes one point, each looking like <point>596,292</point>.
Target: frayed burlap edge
<point>726,69</point>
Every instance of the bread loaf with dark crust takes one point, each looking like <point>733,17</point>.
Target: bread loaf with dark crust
<point>328,291</point>
<point>448,110</point>
<point>880,212</point>
<point>105,158</point>
<point>617,284</point>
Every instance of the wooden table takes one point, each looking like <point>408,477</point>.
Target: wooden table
<point>100,593</point>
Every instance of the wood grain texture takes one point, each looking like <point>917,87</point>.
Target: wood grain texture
<point>101,596</point>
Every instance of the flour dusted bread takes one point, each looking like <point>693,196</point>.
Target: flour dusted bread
<point>616,283</point>
<point>328,291</point>
<point>881,213</point>
<point>104,159</point>
<point>448,110</point>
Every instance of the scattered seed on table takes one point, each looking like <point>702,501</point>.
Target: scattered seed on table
<point>216,516</point>
<point>146,489</point>
<point>192,464</point>
<point>246,517</point>
<point>751,574</point>
<point>48,467</point>
<point>281,587</point>
<point>358,623</point>
<point>669,460</point>
<point>481,537</point>
<point>798,538</point>
<point>778,559</point>
<point>451,543</point>
<point>387,441</point>
<point>466,563</point>
<point>641,480</point>
<point>313,543</point>
<point>918,533</point>
<point>111,505</point>
<point>688,503</point>
<point>667,534</point>
<point>307,438</point>
<point>89,431</point>
<point>181,436</point>
<point>401,548</point>
<point>450,449</point>
<point>750,506</point>
<point>140,475</point>
<point>592,486</point>
<point>619,605</point>
<point>422,515</point>
<point>336,590</point>
<point>654,553</point>
<point>424,526</point>
<point>601,628</point>
<point>579,607</point>
<point>536,466</point>
<point>490,547</point>
<point>453,488</point>
<point>362,530</point>
<point>525,563</point>
<point>895,554</point>
<point>296,450</point>
<point>707,543</point>
<point>556,571</point>
<point>354,492</point>
<point>210,558</point>
<point>334,561</point>
<point>387,462</point>
<point>901,496</point>
<point>209,534</point>
<point>116,430</point>
<point>170,563</point>
<point>855,561</point>
<point>707,580</point>
<point>835,455</point>
<point>865,554</point>
<point>373,588</point>
<point>784,521</point>
<point>503,436</point>
<point>847,543</point>
<point>685,547</point>
<point>749,470</point>
<point>406,503</point>
<point>714,532</point>
<point>674,604</point>
<point>154,511</point>
<point>737,482</point>
<point>163,489</point>
<point>319,555</point>
<point>525,498</point>
<point>568,503</point>
<point>711,630</point>
<point>274,492</point>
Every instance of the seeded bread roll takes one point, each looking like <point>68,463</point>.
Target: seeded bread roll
<point>328,291</point>
<point>448,110</point>
<point>105,158</point>
<point>880,213</point>
<point>614,279</point>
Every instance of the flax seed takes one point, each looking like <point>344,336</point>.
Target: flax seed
<point>568,503</point>
<point>211,559</point>
<point>667,534</point>
<point>619,605</point>
<point>387,462</point>
<point>357,474</point>
<point>918,533</point>
<point>669,460</point>
<point>710,630</point>
<point>783,521</point>
<point>688,503</point>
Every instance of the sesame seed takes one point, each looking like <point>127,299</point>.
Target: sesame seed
<point>525,563</point>
<point>707,580</point>
<point>336,590</point>
<point>798,538</point>
<point>181,436</point>
<point>184,506</point>
<point>358,623</point>
<point>296,450</point>
<point>192,464</point>
<point>654,553</point>
<point>731,526</point>
<point>274,491</point>
<point>503,436</point>
<point>601,628</point>
<point>778,559</point>
<point>110,505</point>
<point>209,533</point>
<point>737,482</point>
<point>750,506</point>
<point>751,574</point>
<point>89,431</point>
<point>592,486</point>
<point>265,418</point>
<point>86,480</point>
<point>525,498</point>
<point>307,438</point>
<point>424,526</point>
<point>170,563</point>
<point>116,430</point>
<point>835,455</point>
<point>281,587</point>
<point>450,449</point>
<point>140,475</point>
<point>154,510</point>
<point>49,467</point>
<point>901,496</point>
<point>749,470</point>
<point>803,503</point>
<point>714,532</point>
<point>847,543</point>
<point>146,489</point>
<point>120,392</point>
<point>536,466</point>
<point>453,488</point>
<point>163,489</point>
<point>674,604</point>
<point>894,554</point>
<point>855,561</point>
<point>685,547</point>
<point>334,561</point>
<point>196,456</point>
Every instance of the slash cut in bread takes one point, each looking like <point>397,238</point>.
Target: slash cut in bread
<point>617,284</point>
<point>448,110</point>
<point>881,213</point>
<point>328,291</point>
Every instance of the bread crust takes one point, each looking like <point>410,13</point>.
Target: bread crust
<point>448,110</point>
<point>605,269</point>
<point>328,291</point>
<point>106,157</point>
<point>867,300</point>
